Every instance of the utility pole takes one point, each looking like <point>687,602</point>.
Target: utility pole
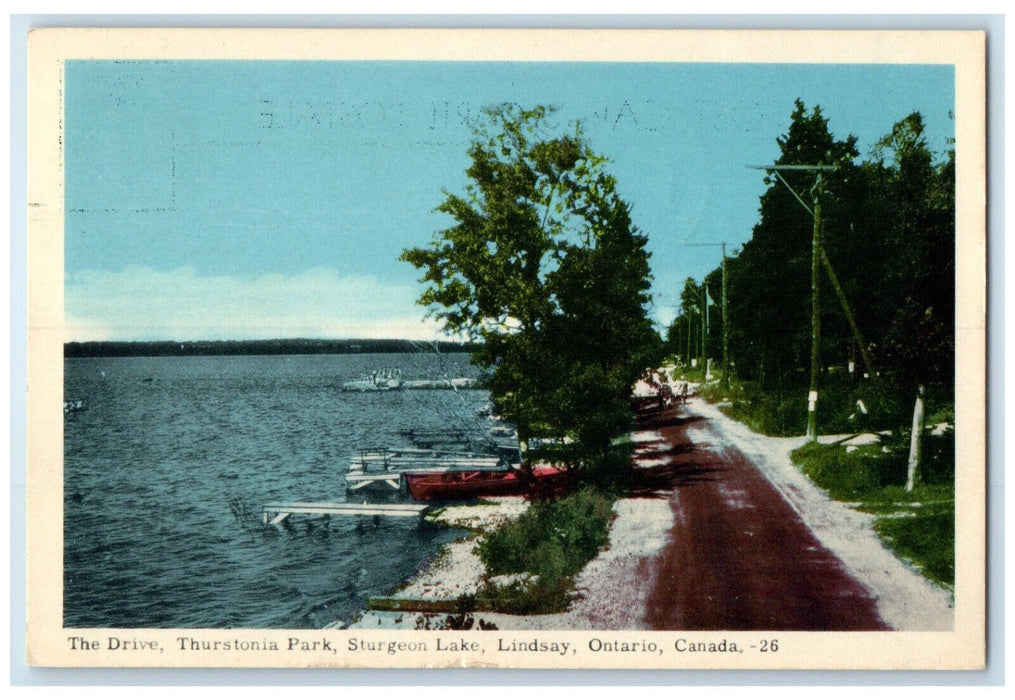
<point>702,297</point>
<point>688,356</point>
<point>725,328</point>
<point>704,332</point>
<point>816,255</point>
<point>812,396</point>
<point>725,323</point>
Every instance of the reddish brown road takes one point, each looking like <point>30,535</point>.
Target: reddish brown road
<point>738,557</point>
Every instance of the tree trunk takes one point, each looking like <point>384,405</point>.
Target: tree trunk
<point>915,442</point>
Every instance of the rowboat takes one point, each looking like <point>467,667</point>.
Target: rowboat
<point>463,485</point>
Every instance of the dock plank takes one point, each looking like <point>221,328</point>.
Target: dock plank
<point>391,604</point>
<point>360,480</point>
<point>416,510</point>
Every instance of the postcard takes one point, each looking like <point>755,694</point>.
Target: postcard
<point>548,349</point>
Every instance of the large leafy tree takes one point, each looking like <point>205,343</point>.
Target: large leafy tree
<point>543,266</point>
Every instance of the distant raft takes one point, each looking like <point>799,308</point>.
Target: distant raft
<point>392,379</point>
<point>73,405</point>
<point>378,380</point>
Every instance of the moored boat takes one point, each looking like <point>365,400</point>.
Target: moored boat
<point>463,485</point>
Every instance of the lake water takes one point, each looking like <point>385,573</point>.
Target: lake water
<point>167,469</point>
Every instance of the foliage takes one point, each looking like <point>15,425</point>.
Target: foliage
<point>888,230</point>
<point>919,525</point>
<point>544,267</point>
<point>926,539</point>
<point>867,469</point>
<point>849,475</point>
<point>551,542</point>
<point>769,281</point>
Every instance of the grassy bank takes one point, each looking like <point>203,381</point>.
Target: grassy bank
<point>533,560</point>
<point>846,406</point>
<point>919,525</point>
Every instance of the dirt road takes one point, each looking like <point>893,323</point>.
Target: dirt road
<point>738,557</point>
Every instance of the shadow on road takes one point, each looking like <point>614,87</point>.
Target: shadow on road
<point>673,461</point>
<point>657,482</point>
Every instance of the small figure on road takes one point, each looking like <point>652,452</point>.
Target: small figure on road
<point>666,395</point>
<point>683,393</point>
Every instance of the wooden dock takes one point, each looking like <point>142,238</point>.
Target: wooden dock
<point>386,468</point>
<point>408,459</point>
<point>358,480</point>
<point>278,513</point>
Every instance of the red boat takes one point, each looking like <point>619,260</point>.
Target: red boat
<point>463,485</point>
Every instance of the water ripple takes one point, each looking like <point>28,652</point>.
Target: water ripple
<point>164,482</point>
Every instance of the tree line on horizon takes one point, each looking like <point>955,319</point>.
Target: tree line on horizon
<point>283,346</point>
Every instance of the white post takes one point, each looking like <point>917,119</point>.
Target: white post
<point>915,442</point>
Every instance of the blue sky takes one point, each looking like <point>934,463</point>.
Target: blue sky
<point>251,199</point>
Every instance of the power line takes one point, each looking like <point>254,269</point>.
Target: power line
<point>815,212</point>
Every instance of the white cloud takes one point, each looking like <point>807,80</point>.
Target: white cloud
<point>140,303</point>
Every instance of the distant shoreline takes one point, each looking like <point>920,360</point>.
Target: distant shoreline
<point>290,346</point>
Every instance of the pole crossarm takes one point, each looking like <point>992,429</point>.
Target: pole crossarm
<point>798,197</point>
<point>775,168</point>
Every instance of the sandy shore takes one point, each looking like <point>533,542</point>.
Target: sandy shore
<point>611,589</point>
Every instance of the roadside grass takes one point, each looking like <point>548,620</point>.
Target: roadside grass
<point>544,549</point>
<point>761,412</point>
<point>919,526</point>
<point>845,407</point>
<point>926,540</point>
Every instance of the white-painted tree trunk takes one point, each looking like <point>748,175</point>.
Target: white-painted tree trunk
<point>915,442</point>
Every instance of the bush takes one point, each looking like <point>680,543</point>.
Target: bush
<point>939,457</point>
<point>845,475</point>
<point>762,412</point>
<point>611,471</point>
<point>550,542</point>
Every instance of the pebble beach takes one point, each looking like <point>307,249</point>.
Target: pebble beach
<point>610,590</point>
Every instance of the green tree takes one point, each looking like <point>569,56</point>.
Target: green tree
<point>543,266</point>
<point>770,279</point>
<point>918,345</point>
<point>889,232</point>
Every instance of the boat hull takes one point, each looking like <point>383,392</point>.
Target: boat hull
<point>465,485</point>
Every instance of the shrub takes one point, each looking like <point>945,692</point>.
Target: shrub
<point>762,412</point>
<point>551,542</point>
<point>846,476</point>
